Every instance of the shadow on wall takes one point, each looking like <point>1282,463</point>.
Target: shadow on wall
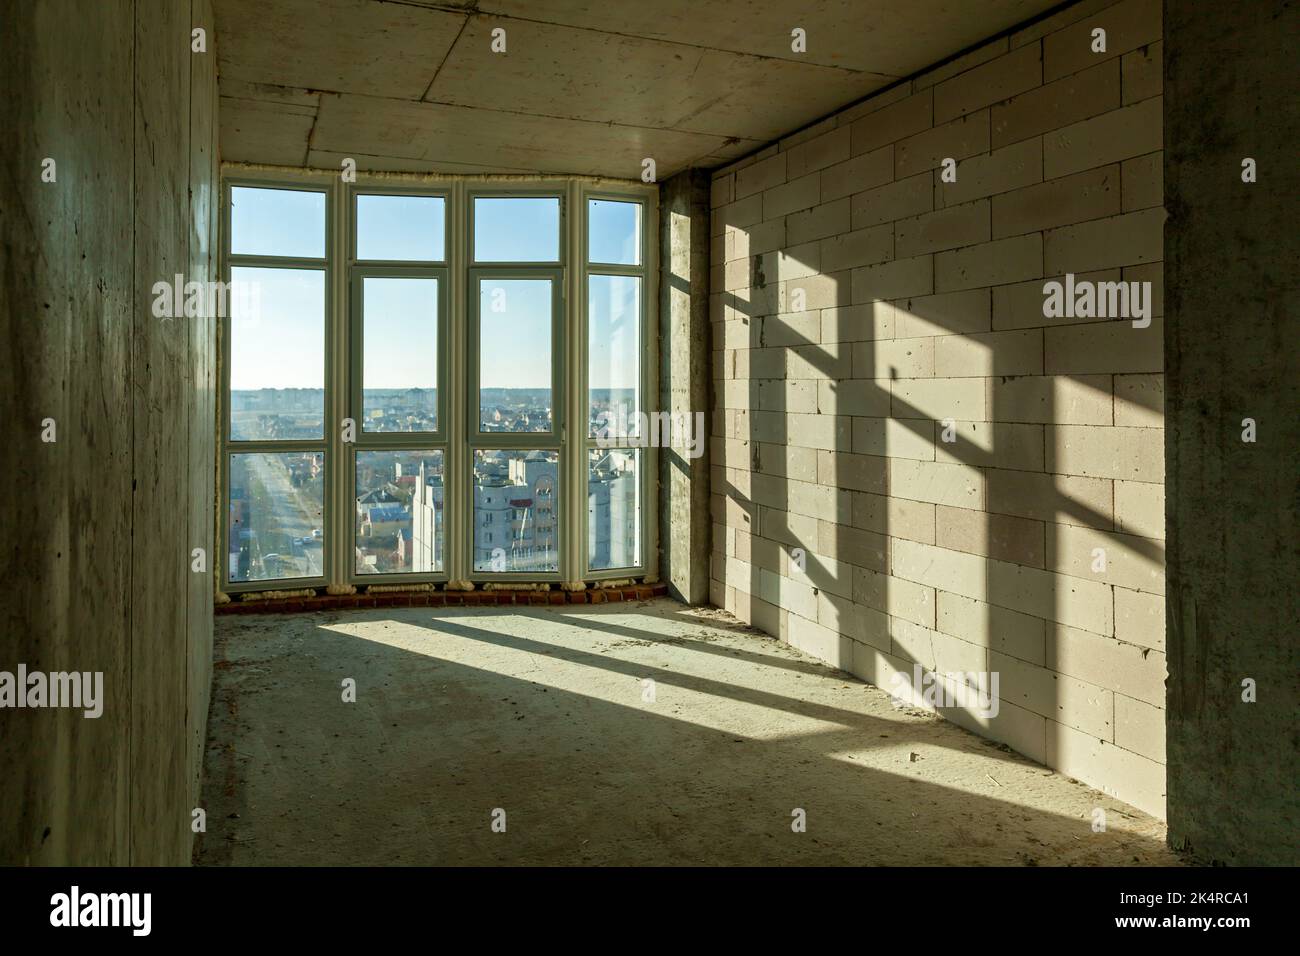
<point>820,569</point>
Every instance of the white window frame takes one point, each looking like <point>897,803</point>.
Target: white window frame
<point>357,271</point>
<point>457,377</point>
<point>229,447</point>
<point>647,471</point>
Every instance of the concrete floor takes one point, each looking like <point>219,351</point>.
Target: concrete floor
<point>541,713</point>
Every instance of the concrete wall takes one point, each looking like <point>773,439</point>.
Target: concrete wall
<point>859,301</point>
<point>1230,351</point>
<point>101,522</point>
<point>684,385</point>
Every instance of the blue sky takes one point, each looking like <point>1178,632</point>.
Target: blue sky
<point>400,333</point>
<point>284,346</point>
<point>516,229</point>
<point>277,222</point>
<point>612,231</point>
<point>613,342</point>
<point>401,227</point>
<point>515,342</point>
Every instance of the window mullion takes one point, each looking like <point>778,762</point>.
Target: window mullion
<point>574,490</point>
<point>338,456</point>
<point>458,493</point>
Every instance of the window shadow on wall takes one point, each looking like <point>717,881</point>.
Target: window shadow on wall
<point>821,544</point>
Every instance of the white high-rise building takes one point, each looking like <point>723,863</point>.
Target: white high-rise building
<point>426,532</point>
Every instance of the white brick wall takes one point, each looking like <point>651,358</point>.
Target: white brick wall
<point>859,302</point>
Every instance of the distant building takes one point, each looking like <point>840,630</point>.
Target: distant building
<point>613,499</point>
<point>400,521</point>
<point>384,521</point>
<point>426,529</point>
<point>514,512</point>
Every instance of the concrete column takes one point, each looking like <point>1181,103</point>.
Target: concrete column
<point>1230,354</point>
<point>110,430</point>
<point>685,382</point>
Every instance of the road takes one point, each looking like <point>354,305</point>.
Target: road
<point>291,514</point>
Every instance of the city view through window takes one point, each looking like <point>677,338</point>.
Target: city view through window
<point>513,497</point>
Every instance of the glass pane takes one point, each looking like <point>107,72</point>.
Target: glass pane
<point>613,355</point>
<point>613,508</point>
<point>515,518</point>
<point>277,354</point>
<point>274,522</point>
<point>407,228</point>
<point>614,232</point>
<point>399,512</point>
<point>517,229</point>
<point>399,374</point>
<point>515,355</point>
<point>277,222</point>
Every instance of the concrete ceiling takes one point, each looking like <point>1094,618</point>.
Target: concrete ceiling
<point>584,87</point>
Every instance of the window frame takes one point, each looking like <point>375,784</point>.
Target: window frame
<point>358,270</point>
<point>356,345</point>
<point>476,437</point>
<point>230,447</point>
<point>477,440</point>
<point>646,373</point>
<point>355,191</point>
<point>396,441</point>
<point>456,334</point>
<point>516,191</point>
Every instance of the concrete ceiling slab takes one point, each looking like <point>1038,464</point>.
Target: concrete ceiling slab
<point>872,36</point>
<point>261,131</point>
<point>585,86</point>
<point>353,46</point>
<point>610,78</point>
<point>436,134</point>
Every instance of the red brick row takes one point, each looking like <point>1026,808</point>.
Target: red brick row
<point>330,602</point>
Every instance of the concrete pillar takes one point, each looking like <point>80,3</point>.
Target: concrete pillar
<point>110,427</point>
<point>1230,354</point>
<point>684,382</point>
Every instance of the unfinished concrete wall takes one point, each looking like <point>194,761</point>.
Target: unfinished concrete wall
<point>684,384</point>
<point>1230,353</point>
<point>204,264</point>
<point>103,519</point>
<point>912,463</point>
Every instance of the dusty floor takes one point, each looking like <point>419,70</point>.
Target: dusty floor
<point>545,714</point>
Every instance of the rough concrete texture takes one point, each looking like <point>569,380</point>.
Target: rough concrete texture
<point>685,385</point>
<point>544,714</point>
<point>579,87</point>
<point>913,463</point>
<point>1230,351</point>
<point>112,93</point>
<point>204,264</point>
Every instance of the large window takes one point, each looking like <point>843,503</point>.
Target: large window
<point>276,333</point>
<point>615,424</point>
<point>397,458</point>
<point>516,321</point>
<point>454,388</point>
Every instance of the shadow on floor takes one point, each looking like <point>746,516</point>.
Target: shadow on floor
<point>548,716</point>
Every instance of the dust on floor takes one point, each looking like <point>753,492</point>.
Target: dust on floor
<point>639,734</point>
